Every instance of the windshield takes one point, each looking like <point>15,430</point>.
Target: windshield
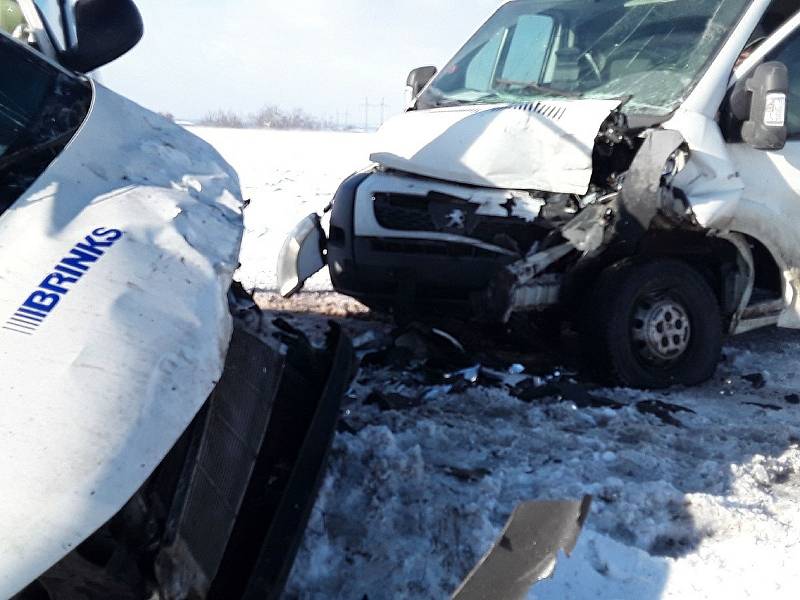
<point>651,52</point>
<point>41,107</point>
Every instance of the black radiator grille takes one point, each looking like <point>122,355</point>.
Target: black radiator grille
<point>403,212</point>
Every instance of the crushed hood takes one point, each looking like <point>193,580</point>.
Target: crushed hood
<point>114,324</point>
<point>545,146</point>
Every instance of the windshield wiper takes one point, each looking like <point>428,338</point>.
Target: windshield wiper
<point>525,86</point>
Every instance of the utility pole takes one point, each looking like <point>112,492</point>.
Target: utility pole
<point>367,106</point>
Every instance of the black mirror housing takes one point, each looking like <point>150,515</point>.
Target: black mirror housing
<point>761,102</point>
<point>419,78</point>
<point>106,29</point>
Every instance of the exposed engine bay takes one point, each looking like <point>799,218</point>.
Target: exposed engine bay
<point>540,237</point>
<point>630,197</point>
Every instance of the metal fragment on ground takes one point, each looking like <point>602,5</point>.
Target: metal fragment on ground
<point>527,550</point>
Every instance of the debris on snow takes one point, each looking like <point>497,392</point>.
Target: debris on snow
<point>392,401</point>
<point>757,379</point>
<point>764,405</point>
<point>663,410</point>
<point>414,497</point>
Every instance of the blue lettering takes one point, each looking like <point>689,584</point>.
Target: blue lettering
<point>42,301</point>
<point>55,286</point>
<point>79,260</point>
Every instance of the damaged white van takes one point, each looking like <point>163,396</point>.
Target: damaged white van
<point>160,437</point>
<point>630,165</point>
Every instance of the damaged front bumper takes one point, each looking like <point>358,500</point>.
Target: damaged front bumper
<point>224,514</point>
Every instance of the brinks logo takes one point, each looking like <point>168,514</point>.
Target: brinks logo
<point>66,274</point>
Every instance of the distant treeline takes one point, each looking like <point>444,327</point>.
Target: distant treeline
<point>269,117</point>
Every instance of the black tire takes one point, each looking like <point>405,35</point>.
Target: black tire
<point>614,329</point>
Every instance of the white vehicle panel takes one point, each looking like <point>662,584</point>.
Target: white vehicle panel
<point>126,245</point>
<point>545,146</point>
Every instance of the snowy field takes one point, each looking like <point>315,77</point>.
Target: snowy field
<point>286,175</point>
<point>697,501</point>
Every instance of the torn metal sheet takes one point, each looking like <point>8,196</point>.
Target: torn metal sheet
<point>113,296</point>
<point>498,146</point>
<point>627,219</point>
<point>527,550</point>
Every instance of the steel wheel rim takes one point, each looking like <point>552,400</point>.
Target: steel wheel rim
<point>661,330</point>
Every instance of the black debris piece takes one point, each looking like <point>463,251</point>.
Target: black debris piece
<point>458,386</point>
<point>664,411</point>
<point>529,391</point>
<point>468,475</point>
<point>417,344</point>
<point>757,380</point>
<point>344,427</point>
<point>793,399</point>
<point>391,356</point>
<point>390,401</point>
<point>765,406</point>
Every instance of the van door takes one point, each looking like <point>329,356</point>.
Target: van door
<point>770,206</point>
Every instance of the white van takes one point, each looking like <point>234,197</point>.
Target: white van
<point>157,440</point>
<point>630,165</point>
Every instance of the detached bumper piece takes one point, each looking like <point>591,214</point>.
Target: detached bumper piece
<point>224,514</point>
<point>301,255</point>
<point>527,550</point>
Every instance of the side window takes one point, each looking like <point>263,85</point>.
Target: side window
<point>789,54</point>
<point>527,50</point>
<point>480,71</point>
<point>520,53</point>
<point>11,19</point>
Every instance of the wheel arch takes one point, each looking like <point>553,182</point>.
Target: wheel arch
<point>724,261</point>
<point>734,263</point>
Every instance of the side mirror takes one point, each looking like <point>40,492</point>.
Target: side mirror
<point>105,30</point>
<point>419,78</point>
<point>761,103</point>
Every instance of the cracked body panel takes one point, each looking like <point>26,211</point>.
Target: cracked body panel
<point>131,325</point>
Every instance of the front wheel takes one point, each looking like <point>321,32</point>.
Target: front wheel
<point>654,325</point>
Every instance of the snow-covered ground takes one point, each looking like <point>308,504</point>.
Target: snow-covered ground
<point>286,175</point>
<point>701,504</point>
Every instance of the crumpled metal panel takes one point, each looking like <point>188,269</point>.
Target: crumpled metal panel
<point>498,146</point>
<point>114,270</point>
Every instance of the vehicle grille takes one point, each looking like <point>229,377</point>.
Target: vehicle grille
<point>403,213</point>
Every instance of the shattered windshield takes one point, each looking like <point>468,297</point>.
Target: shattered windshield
<point>41,108</point>
<point>650,52</point>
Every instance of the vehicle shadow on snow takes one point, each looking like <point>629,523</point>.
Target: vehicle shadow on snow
<point>669,471</point>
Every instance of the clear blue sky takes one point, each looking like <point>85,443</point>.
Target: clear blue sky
<point>324,56</point>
